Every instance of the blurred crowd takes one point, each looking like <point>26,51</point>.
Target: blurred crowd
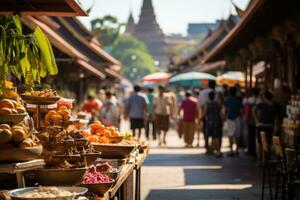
<point>214,112</point>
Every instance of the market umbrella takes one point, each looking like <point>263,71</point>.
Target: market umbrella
<point>194,79</point>
<point>157,77</point>
<point>232,78</point>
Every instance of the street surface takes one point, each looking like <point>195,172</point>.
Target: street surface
<point>176,173</point>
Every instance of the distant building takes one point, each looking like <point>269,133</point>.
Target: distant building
<point>149,31</point>
<point>197,29</point>
<point>196,60</point>
<point>130,26</point>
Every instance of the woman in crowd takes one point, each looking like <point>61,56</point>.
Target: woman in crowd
<point>212,115</point>
<point>265,114</point>
<point>233,106</point>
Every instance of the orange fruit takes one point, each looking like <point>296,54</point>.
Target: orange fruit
<point>97,127</point>
<point>56,117</point>
<point>106,133</point>
<point>103,140</point>
<point>63,108</point>
<point>52,112</point>
<point>63,112</point>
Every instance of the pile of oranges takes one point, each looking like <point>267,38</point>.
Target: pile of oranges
<point>100,134</point>
<point>59,116</point>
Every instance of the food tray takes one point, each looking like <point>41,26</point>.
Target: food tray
<point>99,188</point>
<point>15,194</point>
<point>20,154</point>
<point>39,100</point>
<point>115,139</point>
<point>63,177</point>
<point>12,118</point>
<point>113,151</point>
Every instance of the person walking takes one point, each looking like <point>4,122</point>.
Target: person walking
<point>190,115</point>
<point>249,103</point>
<point>265,114</point>
<point>199,125</point>
<point>150,121</point>
<point>213,116</point>
<point>137,109</point>
<point>204,98</point>
<point>162,109</point>
<point>109,112</point>
<point>234,107</point>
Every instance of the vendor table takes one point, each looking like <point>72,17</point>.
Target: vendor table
<point>20,167</point>
<point>126,188</point>
<point>138,164</point>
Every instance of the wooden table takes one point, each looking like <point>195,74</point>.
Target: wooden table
<point>126,188</point>
<point>138,168</point>
<point>20,167</point>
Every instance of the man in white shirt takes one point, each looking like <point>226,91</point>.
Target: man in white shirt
<point>162,105</point>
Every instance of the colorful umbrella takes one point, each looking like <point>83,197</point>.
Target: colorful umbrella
<point>232,78</point>
<point>157,77</point>
<point>194,79</point>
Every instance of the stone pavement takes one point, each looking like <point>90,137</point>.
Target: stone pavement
<point>177,173</point>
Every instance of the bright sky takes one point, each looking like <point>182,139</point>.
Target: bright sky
<point>172,15</point>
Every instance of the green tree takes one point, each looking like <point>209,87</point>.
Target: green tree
<point>107,29</point>
<point>137,62</point>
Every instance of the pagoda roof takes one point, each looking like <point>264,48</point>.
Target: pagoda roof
<point>211,40</point>
<point>130,26</point>
<point>76,28</point>
<point>64,40</point>
<point>42,7</point>
<point>259,19</point>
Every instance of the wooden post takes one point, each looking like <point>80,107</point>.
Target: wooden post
<point>246,77</point>
<point>251,74</point>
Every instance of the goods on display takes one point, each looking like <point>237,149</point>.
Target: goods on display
<point>292,121</point>
<point>93,176</point>
<point>49,192</point>
<point>61,150</point>
<point>59,116</point>
<point>42,192</point>
<point>42,93</point>
<point>15,136</point>
<point>100,134</point>
<point>11,107</point>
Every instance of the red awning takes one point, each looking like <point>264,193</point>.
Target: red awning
<point>157,77</point>
<point>90,68</point>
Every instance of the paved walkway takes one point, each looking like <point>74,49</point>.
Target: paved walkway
<point>177,173</point>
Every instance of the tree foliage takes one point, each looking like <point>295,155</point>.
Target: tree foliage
<point>137,62</point>
<point>107,29</point>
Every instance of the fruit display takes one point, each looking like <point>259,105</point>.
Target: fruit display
<point>100,134</point>
<point>10,107</point>
<point>94,177</point>
<point>42,93</point>
<point>65,102</point>
<point>64,148</point>
<point>58,117</point>
<point>9,91</point>
<point>15,136</point>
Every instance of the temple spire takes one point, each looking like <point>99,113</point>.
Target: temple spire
<point>130,24</point>
<point>149,31</point>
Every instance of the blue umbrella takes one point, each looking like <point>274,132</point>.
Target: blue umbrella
<point>191,78</point>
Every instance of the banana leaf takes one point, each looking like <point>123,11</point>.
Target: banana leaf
<point>47,55</point>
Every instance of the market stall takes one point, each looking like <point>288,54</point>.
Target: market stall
<point>47,143</point>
